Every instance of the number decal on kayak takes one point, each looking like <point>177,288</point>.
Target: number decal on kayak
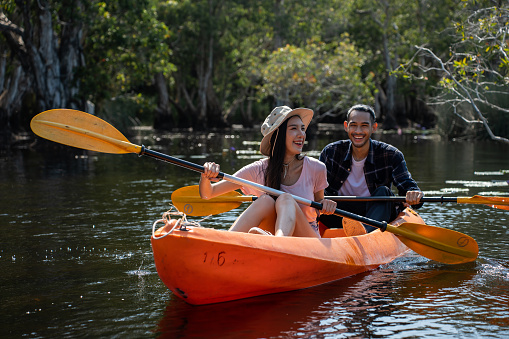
<point>220,259</point>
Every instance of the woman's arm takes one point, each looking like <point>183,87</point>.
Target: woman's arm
<point>209,190</point>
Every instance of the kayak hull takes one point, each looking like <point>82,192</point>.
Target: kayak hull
<point>204,265</point>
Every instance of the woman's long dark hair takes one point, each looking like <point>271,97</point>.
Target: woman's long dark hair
<point>277,157</point>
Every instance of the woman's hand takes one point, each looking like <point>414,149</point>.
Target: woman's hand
<point>328,206</point>
<point>211,171</point>
<point>209,190</point>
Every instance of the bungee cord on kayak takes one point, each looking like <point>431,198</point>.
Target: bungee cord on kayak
<point>181,223</point>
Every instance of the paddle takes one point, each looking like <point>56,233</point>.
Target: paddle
<point>83,130</point>
<point>495,202</point>
<point>188,199</point>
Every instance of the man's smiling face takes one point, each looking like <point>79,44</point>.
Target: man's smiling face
<point>359,128</point>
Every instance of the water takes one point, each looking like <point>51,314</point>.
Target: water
<point>76,260</point>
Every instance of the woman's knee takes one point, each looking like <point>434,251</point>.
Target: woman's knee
<point>265,201</point>
<point>285,199</point>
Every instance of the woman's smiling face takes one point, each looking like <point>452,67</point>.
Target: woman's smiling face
<point>295,135</point>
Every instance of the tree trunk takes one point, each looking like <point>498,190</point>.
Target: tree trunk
<point>248,113</point>
<point>47,61</point>
<point>3,62</point>
<point>215,115</point>
<point>12,97</point>
<point>278,27</point>
<point>191,108</point>
<point>204,79</point>
<point>163,115</point>
<point>390,86</point>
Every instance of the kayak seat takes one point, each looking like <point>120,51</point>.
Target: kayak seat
<point>333,233</point>
<point>326,232</point>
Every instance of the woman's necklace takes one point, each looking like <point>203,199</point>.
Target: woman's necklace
<point>286,167</point>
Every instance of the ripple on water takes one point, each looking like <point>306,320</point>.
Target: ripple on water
<point>415,297</point>
<point>445,190</point>
<point>140,273</point>
<point>474,183</point>
<point>501,172</point>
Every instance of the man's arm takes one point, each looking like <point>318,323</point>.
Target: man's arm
<point>405,183</point>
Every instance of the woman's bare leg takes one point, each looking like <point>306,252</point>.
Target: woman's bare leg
<point>291,221</point>
<point>261,213</point>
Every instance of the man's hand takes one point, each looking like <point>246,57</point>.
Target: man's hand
<point>413,198</point>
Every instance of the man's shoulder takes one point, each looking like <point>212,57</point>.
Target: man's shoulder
<point>338,144</point>
<point>380,146</point>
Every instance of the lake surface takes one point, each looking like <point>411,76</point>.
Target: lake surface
<point>76,260</point>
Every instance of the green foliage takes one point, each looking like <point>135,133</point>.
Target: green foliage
<point>482,43</point>
<point>8,6</point>
<point>126,46</point>
<point>228,57</point>
<point>244,37</point>
<point>316,75</point>
<point>129,109</point>
<point>474,74</point>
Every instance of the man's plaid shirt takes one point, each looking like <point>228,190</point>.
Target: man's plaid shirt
<point>384,165</point>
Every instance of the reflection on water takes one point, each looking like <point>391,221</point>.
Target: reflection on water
<point>409,297</point>
<point>76,260</point>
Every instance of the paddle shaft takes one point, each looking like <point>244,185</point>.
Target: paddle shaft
<point>353,198</point>
<point>499,203</point>
<point>198,168</point>
<point>390,198</point>
<point>495,202</point>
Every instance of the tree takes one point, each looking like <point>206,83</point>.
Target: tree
<point>389,29</point>
<point>127,55</point>
<point>243,38</point>
<point>476,71</point>
<point>326,77</point>
<point>72,53</point>
<point>42,59</point>
<point>198,28</point>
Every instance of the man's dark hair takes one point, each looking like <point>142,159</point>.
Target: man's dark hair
<point>362,108</point>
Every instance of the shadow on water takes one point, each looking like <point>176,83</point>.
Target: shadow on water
<point>265,316</point>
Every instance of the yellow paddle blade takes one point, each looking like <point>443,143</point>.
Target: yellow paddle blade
<point>81,130</point>
<point>188,200</point>
<point>436,243</point>
<point>501,203</point>
<point>477,199</point>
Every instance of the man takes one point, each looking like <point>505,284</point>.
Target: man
<point>361,166</point>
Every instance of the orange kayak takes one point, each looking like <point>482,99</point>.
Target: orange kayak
<point>205,265</point>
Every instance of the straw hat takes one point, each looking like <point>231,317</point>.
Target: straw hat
<point>276,118</point>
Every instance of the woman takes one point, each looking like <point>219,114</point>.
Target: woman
<point>285,169</point>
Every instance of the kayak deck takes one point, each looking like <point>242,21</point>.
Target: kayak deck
<point>204,265</point>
